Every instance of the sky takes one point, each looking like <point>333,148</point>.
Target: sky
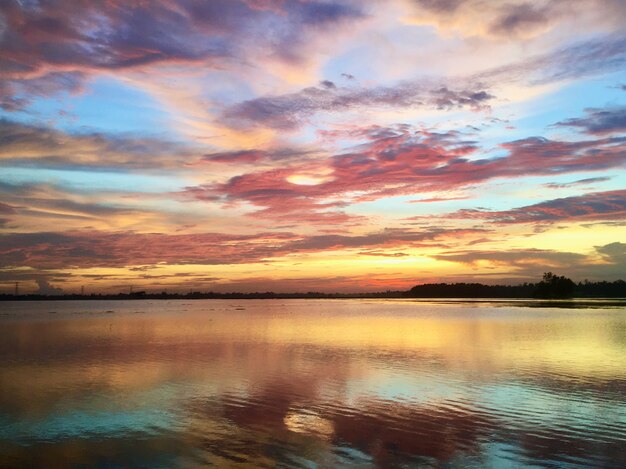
<point>310,145</point>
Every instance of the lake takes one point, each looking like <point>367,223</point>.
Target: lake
<point>312,383</point>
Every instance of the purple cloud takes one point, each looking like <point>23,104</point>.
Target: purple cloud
<point>599,121</point>
<point>516,19</point>
<point>292,110</point>
<point>41,40</point>
<point>610,205</point>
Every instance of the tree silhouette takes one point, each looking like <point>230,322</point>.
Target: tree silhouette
<point>554,286</point>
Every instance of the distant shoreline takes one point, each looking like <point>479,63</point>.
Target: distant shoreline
<point>551,287</point>
<point>291,296</point>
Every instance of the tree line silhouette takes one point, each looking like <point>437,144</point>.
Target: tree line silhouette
<point>550,287</point>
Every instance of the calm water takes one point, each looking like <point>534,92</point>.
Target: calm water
<point>308,383</point>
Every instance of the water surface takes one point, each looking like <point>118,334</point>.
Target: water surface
<point>312,383</point>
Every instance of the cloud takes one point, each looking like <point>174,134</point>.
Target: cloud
<point>582,59</point>
<point>41,40</point>
<point>6,209</point>
<point>326,13</point>
<point>43,279</point>
<point>517,19</point>
<point>44,147</point>
<point>90,249</point>
<point>45,288</point>
<point>290,111</point>
<point>37,206</point>
<point>439,199</point>
<point>387,237</point>
<point>59,208</point>
<point>605,262</point>
<point>580,182</point>
<point>257,156</point>
<point>16,94</point>
<point>615,255</point>
<point>310,214</point>
<point>52,47</point>
<point>236,157</point>
<point>389,162</point>
<point>535,258</point>
<point>116,249</point>
<point>383,254</point>
<point>599,121</point>
<point>402,161</point>
<point>107,35</point>
<point>554,156</point>
<point>609,205</point>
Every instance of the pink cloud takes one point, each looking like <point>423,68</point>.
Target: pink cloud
<point>400,161</point>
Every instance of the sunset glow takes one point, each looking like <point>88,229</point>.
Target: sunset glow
<point>305,145</point>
